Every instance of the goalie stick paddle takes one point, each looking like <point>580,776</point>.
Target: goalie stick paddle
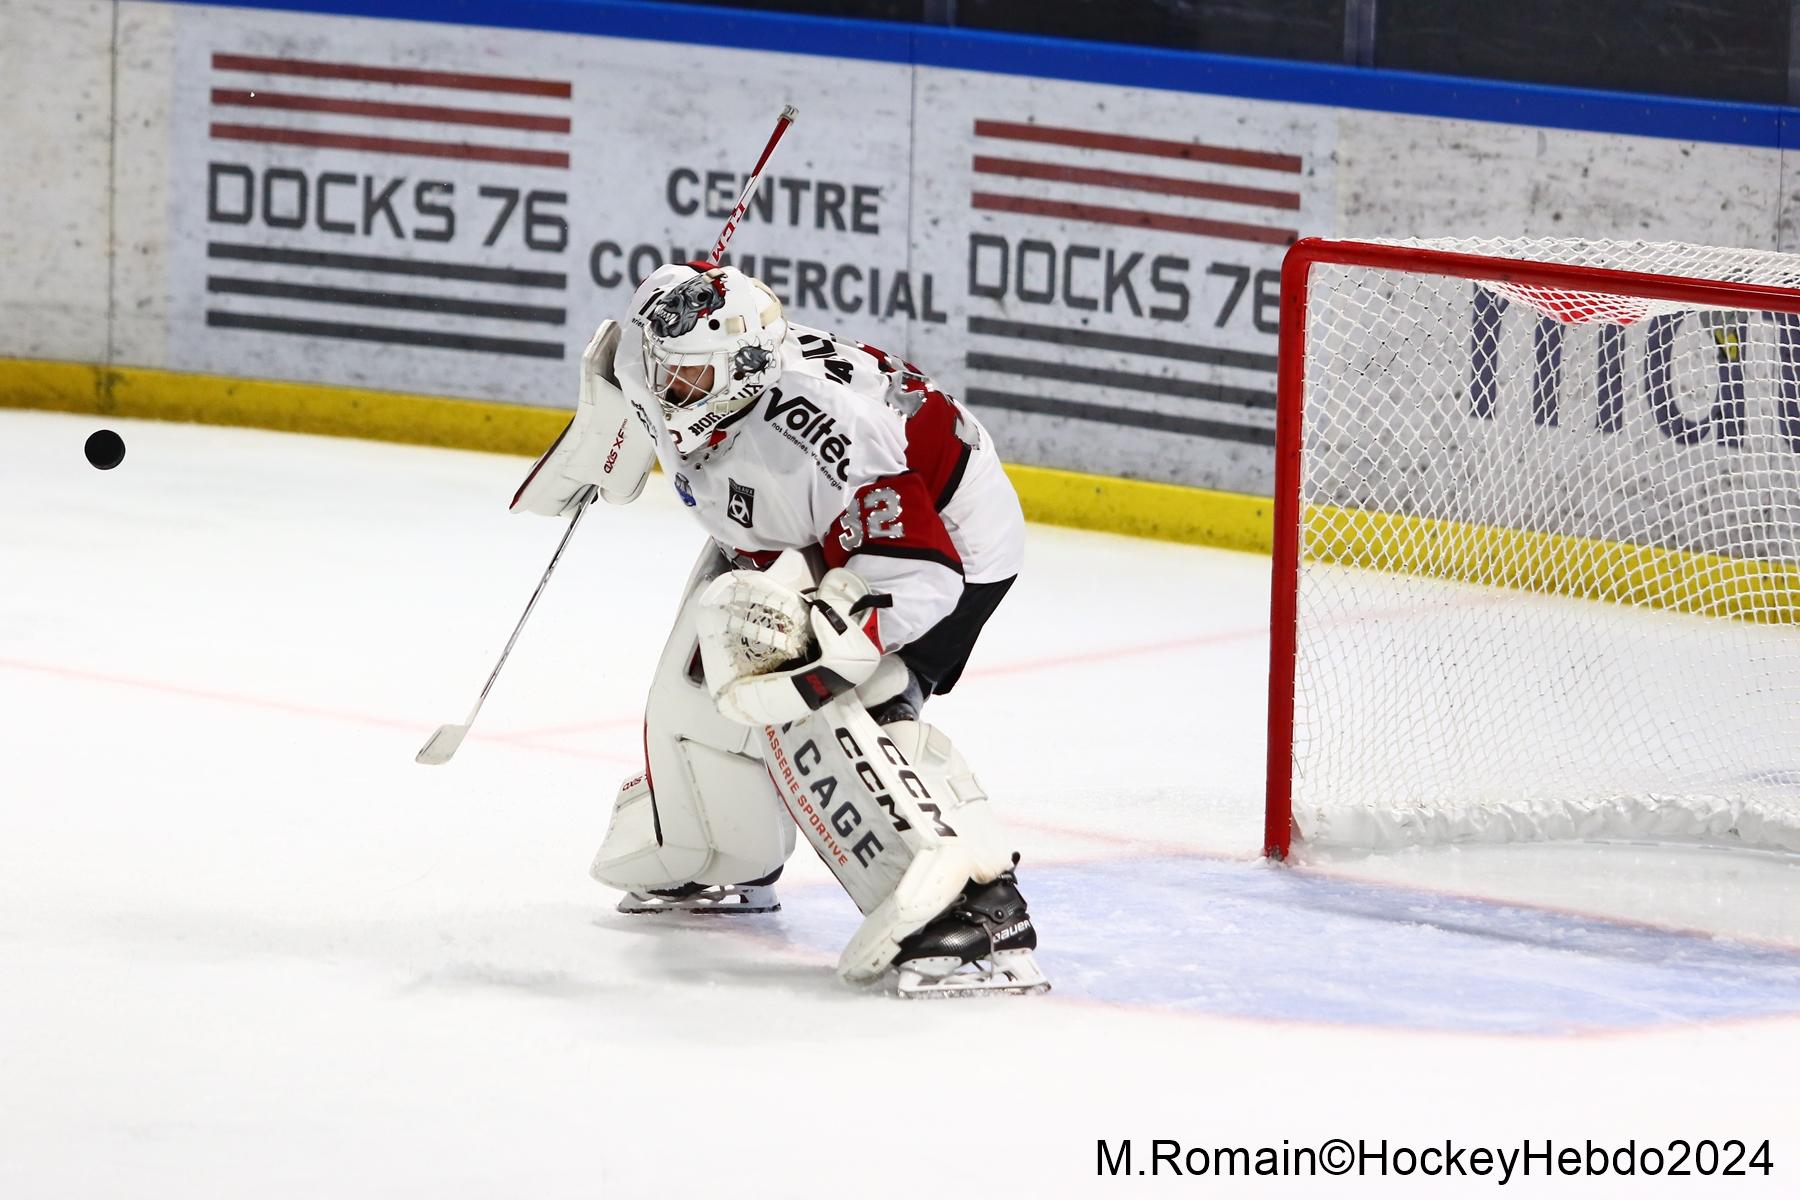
<point>788,113</point>
<point>442,745</point>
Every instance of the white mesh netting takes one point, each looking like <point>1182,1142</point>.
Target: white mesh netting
<point>1550,556</point>
<point>752,624</point>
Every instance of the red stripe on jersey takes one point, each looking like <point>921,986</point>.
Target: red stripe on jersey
<point>753,560</point>
<point>933,448</point>
<point>895,516</point>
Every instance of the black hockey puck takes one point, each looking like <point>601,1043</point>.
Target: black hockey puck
<point>105,449</point>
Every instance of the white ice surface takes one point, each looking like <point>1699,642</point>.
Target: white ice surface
<point>248,948</point>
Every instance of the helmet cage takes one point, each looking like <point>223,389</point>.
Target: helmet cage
<point>723,320</point>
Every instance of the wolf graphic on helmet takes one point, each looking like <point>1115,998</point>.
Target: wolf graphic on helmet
<point>681,307</point>
<point>750,361</point>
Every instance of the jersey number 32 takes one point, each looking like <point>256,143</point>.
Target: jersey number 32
<point>873,514</point>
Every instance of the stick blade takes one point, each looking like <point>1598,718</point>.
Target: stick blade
<point>442,746</point>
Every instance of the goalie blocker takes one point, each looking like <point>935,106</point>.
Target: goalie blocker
<point>604,445</point>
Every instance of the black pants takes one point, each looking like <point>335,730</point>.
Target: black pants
<point>937,657</point>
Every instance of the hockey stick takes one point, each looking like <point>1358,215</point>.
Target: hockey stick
<point>788,113</point>
<point>443,744</point>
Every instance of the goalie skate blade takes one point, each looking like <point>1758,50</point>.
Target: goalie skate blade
<point>1008,973</point>
<point>442,746</point>
<point>721,901</point>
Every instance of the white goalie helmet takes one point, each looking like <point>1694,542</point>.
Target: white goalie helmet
<point>712,343</point>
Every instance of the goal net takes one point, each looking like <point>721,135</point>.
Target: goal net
<point>1537,554</point>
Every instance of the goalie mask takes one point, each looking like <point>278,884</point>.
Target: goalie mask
<point>712,343</point>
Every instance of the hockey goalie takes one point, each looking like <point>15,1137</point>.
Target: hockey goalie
<point>860,532</point>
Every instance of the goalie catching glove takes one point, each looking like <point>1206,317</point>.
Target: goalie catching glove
<point>775,649</point>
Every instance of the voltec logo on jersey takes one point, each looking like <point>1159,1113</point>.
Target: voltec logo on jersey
<point>813,430</point>
<point>684,489</point>
<point>741,507</point>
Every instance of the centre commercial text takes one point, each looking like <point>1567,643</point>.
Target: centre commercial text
<point>1030,271</point>
<point>823,205</point>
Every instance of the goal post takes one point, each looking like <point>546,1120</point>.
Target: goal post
<point>1536,566</point>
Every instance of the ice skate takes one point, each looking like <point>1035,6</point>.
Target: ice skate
<point>982,945</point>
<point>724,899</point>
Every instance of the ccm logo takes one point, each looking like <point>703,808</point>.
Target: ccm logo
<point>613,457</point>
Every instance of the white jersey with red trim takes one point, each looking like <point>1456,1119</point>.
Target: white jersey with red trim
<point>854,451</point>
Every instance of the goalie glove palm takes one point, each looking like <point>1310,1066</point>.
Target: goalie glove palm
<point>773,654</point>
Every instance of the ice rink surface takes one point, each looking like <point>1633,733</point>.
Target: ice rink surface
<point>249,948</point>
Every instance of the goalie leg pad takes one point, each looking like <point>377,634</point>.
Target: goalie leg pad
<point>711,820</point>
<point>904,835</point>
<point>633,855</point>
<point>966,805</point>
<point>703,811</point>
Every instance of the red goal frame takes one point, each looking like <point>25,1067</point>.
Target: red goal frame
<point>1290,391</point>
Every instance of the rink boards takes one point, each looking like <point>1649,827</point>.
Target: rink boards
<point>266,216</point>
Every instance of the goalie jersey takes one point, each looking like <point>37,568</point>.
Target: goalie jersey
<point>854,451</point>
